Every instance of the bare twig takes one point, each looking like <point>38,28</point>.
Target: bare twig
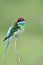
<point>17,55</point>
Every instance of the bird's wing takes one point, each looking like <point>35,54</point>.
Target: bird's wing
<point>9,31</point>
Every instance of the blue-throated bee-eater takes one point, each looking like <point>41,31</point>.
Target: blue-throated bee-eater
<point>15,29</point>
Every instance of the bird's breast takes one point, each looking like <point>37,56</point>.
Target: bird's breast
<point>18,32</point>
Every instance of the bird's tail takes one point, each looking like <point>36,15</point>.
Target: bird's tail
<point>7,44</point>
<point>5,38</point>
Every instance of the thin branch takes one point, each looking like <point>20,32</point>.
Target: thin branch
<point>17,55</point>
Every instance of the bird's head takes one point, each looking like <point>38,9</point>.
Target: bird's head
<point>20,21</point>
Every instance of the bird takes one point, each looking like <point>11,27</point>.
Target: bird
<point>16,29</point>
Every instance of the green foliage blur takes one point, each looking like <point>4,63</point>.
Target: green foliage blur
<point>30,43</point>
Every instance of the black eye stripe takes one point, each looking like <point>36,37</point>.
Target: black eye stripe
<point>20,20</point>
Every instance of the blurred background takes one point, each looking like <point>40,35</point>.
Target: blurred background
<point>30,43</point>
